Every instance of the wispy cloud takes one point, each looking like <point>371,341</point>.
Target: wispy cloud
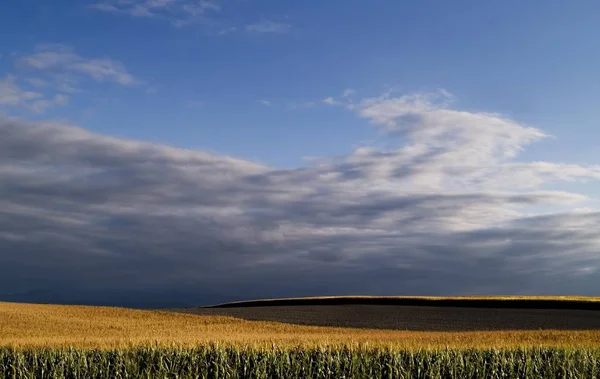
<point>40,106</point>
<point>105,7</point>
<point>59,59</point>
<point>52,73</point>
<point>61,99</point>
<point>348,92</point>
<point>302,105</point>
<point>12,95</point>
<point>265,102</point>
<point>66,83</point>
<point>179,12</point>
<point>196,104</point>
<point>226,31</point>
<point>267,26</point>
<point>452,209</point>
<point>37,82</point>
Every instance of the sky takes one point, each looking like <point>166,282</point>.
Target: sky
<point>160,153</point>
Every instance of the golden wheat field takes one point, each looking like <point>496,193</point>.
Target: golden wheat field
<point>33,325</point>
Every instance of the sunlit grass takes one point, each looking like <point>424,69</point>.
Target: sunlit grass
<point>32,325</point>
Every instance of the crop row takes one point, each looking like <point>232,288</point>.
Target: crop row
<point>218,362</point>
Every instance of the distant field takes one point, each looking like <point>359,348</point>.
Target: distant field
<point>31,325</point>
<point>440,314</point>
<point>522,302</point>
<point>415,318</point>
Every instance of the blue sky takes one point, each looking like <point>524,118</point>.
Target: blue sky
<point>482,111</point>
<point>535,63</point>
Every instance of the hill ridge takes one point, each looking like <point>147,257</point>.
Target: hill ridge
<point>523,302</point>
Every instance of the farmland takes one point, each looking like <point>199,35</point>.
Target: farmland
<point>35,325</point>
<point>218,362</point>
<point>421,313</point>
<point>79,338</point>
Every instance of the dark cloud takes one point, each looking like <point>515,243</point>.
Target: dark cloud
<point>92,219</point>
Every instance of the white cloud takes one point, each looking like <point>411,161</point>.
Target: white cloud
<point>331,101</point>
<point>446,136</point>
<point>265,102</point>
<point>449,210</point>
<point>267,26</point>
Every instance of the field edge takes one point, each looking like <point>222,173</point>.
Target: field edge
<point>522,302</point>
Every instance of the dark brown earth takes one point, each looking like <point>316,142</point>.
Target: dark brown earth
<point>418,318</point>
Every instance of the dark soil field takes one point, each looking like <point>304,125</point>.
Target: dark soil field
<point>431,316</point>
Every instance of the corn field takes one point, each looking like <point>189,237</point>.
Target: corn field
<point>230,362</point>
